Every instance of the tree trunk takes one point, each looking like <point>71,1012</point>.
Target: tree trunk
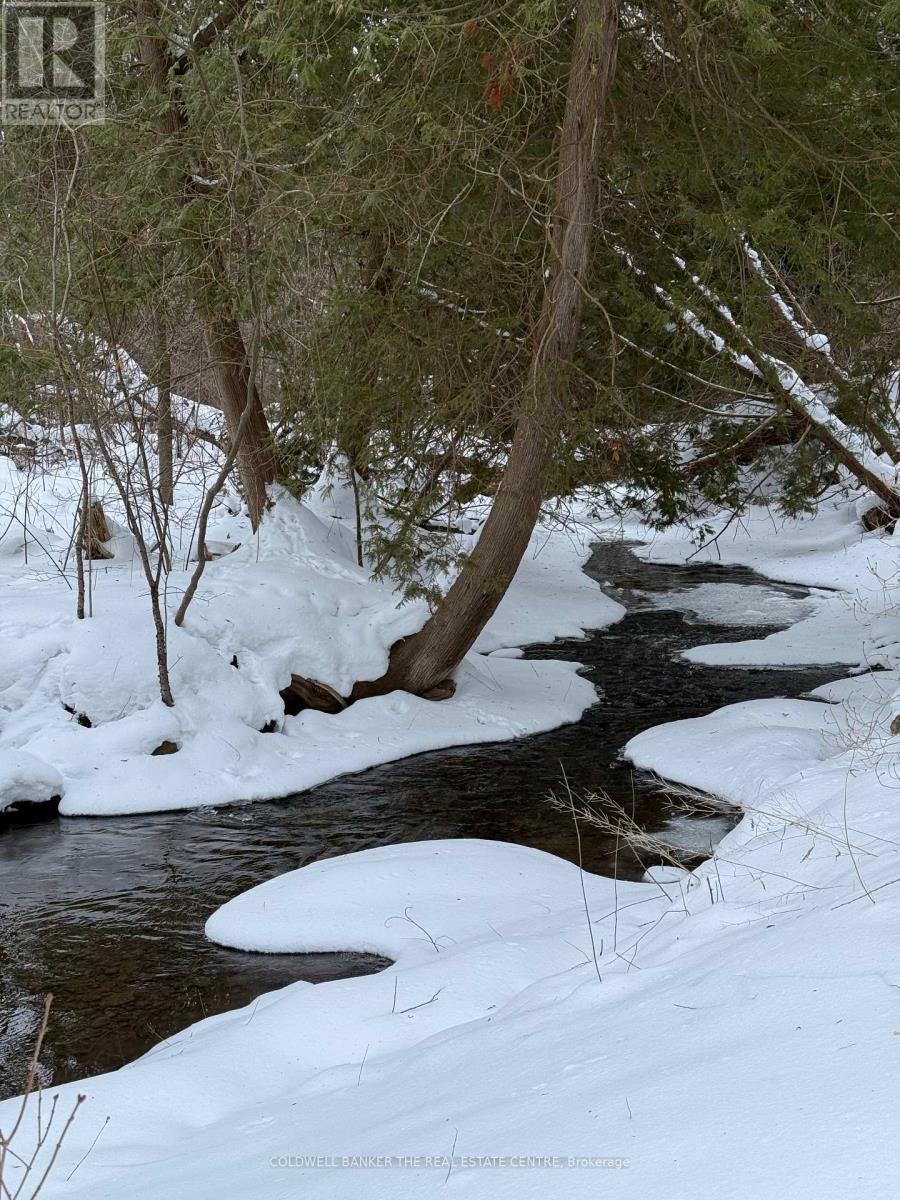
<point>868,473</point>
<point>256,459</point>
<point>423,661</point>
<point>164,429</point>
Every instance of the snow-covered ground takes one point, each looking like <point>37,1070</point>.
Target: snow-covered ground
<point>80,713</point>
<point>857,624</point>
<point>730,1032</point>
<point>708,1031</point>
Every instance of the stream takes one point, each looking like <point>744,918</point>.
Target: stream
<point>108,914</point>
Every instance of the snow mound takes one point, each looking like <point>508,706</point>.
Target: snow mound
<point>538,1017</point>
<point>25,777</point>
<point>853,618</point>
<point>83,696</point>
<point>393,900</point>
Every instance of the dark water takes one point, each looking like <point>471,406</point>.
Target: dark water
<point>108,914</point>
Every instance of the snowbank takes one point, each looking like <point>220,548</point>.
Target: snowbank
<point>80,699</point>
<point>542,1032</point>
<point>24,777</point>
<point>854,616</point>
<point>734,1036</point>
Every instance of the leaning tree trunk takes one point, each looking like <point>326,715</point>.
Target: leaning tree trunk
<point>422,662</point>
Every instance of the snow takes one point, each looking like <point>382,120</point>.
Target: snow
<point>24,777</point>
<point>719,753</point>
<point>855,607</point>
<point>730,1032</point>
<point>810,338</point>
<point>227,760</point>
<point>551,596</point>
<point>81,698</point>
<point>734,604</point>
<point>828,551</point>
<point>811,400</point>
<point>836,622</point>
<point>738,1041</point>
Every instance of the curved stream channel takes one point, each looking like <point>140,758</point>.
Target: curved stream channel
<point>108,913</point>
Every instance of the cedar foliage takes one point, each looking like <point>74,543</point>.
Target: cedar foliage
<point>371,187</point>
